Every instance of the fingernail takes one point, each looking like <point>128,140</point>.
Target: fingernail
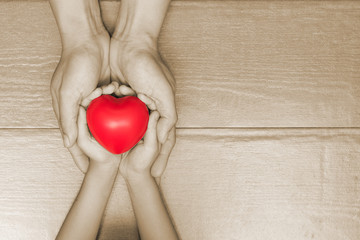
<point>66,141</point>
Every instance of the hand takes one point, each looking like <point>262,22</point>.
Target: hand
<point>84,217</point>
<point>97,154</point>
<point>139,65</point>
<point>139,160</point>
<point>90,147</point>
<point>151,215</point>
<point>83,66</point>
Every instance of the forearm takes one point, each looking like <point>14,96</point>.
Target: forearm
<point>84,217</point>
<point>151,215</point>
<point>77,19</point>
<point>141,19</point>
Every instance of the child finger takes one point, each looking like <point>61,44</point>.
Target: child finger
<point>118,93</point>
<point>84,134</point>
<point>96,93</point>
<point>150,138</point>
<point>148,101</point>
<point>109,89</point>
<point>126,91</point>
<point>116,85</point>
<point>85,141</point>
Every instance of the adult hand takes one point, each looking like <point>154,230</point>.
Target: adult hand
<point>140,66</point>
<point>135,61</point>
<point>84,64</point>
<point>81,69</point>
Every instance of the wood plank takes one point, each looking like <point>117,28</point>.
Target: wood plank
<point>39,182</point>
<point>271,184</point>
<point>237,64</point>
<point>219,184</point>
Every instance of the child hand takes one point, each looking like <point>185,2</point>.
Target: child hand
<point>139,160</point>
<point>96,153</point>
<point>84,217</point>
<point>160,163</point>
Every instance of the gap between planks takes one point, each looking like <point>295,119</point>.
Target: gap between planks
<point>215,128</point>
<point>244,133</point>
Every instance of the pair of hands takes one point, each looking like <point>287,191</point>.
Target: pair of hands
<point>136,162</point>
<point>92,64</point>
<point>97,59</point>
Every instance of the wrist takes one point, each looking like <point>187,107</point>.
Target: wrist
<point>134,179</point>
<point>77,20</point>
<point>104,170</point>
<point>98,182</point>
<point>130,42</point>
<point>129,51</point>
<point>140,20</point>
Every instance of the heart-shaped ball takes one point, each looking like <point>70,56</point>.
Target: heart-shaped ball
<point>117,123</point>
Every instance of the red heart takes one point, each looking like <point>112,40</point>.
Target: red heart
<point>117,123</point>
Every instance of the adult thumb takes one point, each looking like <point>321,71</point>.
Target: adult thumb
<point>166,122</point>
<point>168,116</point>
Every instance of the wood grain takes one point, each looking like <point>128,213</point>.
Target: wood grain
<point>39,182</point>
<point>237,63</point>
<point>278,184</point>
<point>219,184</point>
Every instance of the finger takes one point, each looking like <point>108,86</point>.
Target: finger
<point>165,124</point>
<point>160,163</point>
<point>84,135</point>
<point>118,93</point>
<point>86,142</point>
<point>95,94</point>
<point>116,85</point>
<point>165,103</point>
<point>80,159</point>
<point>150,138</point>
<point>148,101</point>
<point>69,107</point>
<point>126,91</point>
<point>117,88</point>
<point>110,88</point>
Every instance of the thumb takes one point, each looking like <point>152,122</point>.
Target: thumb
<point>69,109</point>
<point>168,116</point>
<point>160,163</point>
<point>150,135</point>
<point>164,126</point>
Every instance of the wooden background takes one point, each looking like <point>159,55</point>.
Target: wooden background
<point>268,143</point>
